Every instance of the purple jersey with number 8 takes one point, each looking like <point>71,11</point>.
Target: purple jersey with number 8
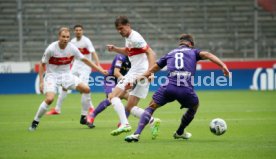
<point>181,66</point>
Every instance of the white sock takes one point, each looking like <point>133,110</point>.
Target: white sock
<point>120,109</point>
<point>60,99</point>
<point>137,112</point>
<point>86,103</point>
<point>41,111</point>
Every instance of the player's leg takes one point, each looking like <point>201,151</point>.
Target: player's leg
<point>114,97</point>
<point>144,120</point>
<point>190,100</point>
<point>87,104</point>
<point>85,101</point>
<point>42,110</point>
<point>50,88</point>
<point>141,91</point>
<point>57,109</point>
<point>92,115</point>
<point>108,86</point>
<point>186,119</point>
<point>100,108</point>
<point>160,98</point>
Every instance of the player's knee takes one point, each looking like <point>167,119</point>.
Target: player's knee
<point>115,100</point>
<point>153,105</point>
<point>49,100</point>
<point>110,96</point>
<point>87,90</point>
<point>128,108</point>
<point>195,108</point>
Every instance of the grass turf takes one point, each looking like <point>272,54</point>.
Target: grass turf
<point>250,115</point>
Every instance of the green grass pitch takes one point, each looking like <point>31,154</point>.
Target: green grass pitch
<point>250,115</point>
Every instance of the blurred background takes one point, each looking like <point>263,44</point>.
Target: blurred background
<point>231,29</point>
<point>241,32</point>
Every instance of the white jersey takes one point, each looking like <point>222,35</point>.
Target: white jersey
<point>136,47</point>
<point>58,60</point>
<point>86,48</point>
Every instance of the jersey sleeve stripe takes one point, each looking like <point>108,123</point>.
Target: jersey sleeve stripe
<point>84,51</point>
<point>61,60</point>
<point>136,51</point>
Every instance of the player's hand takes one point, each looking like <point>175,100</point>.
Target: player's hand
<point>151,77</point>
<point>225,71</point>
<point>110,47</point>
<point>128,86</point>
<point>41,87</point>
<point>104,72</point>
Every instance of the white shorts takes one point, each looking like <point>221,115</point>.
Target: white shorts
<point>140,90</point>
<point>82,75</point>
<point>66,80</point>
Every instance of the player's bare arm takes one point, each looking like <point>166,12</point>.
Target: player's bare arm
<point>120,50</point>
<point>96,58</point>
<point>94,66</point>
<point>216,60</point>
<point>41,73</point>
<point>149,74</point>
<point>117,73</point>
<point>152,70</point>
<point>151,57</point>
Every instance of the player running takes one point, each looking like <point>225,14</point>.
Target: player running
<point>181,65</point>
<point>119,67</point>
<point>57,59</point>
<point>81,70</point>
<point>141,57</point>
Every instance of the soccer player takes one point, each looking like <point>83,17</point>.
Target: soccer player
<point>141,57</point>
<point>57,59</point>
<point>119,67</point>
<point>81,70</point>
<point>181,65</point>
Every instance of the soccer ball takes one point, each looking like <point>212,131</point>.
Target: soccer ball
<point>218,126</point>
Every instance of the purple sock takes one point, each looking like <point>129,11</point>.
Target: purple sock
<point>127,113</point>
<point>186,120</point>
<point>145,118</point>
<point>104,104</point>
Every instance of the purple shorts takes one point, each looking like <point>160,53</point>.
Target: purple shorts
<point>186,96</point>
<point>108,86</point>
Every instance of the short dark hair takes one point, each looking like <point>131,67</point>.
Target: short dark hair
<point>123,20</point>
<point>78,26</point>
<point>187,37</point>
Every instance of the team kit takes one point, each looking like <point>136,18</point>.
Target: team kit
<point>68,63</point>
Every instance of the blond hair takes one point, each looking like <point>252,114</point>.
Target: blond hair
<point>61,29</point>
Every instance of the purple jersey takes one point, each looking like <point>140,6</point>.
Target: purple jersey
<point>181,65</point>
<point>120,61</point>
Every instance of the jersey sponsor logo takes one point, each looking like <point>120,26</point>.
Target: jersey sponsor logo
<point>118,63</point>
<point>61,60</point>
<point>84,51</point>
<point>136,51</point>
<point>264,79</point>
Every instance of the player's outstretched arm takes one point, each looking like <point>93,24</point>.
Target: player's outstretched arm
<point>96,58</point>
<point>117,73</point>
<point>150,72</point>
<point>120,50</point>
<point>151,57</point>
<point>92,65</point>
<point>146,75</point>
<point>216,60</point>
<point>41,73</point>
